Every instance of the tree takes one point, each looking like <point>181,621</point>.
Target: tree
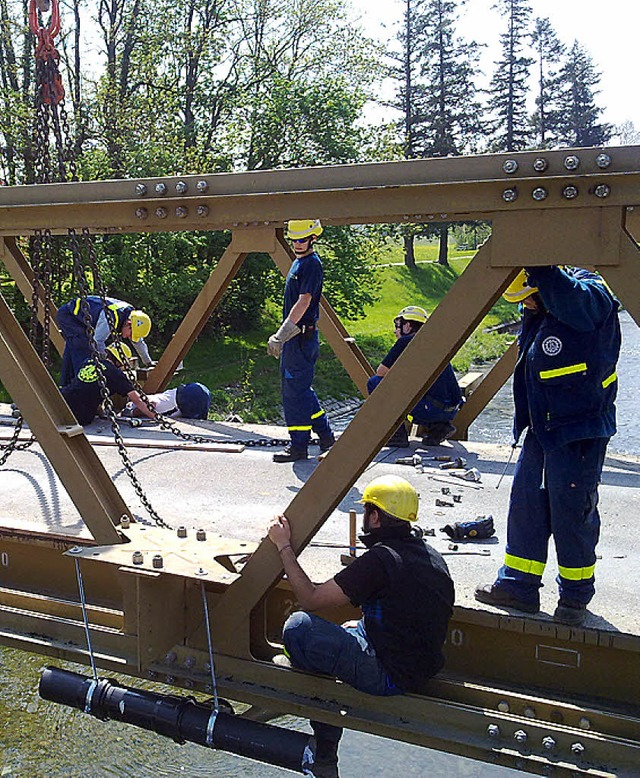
<point>549,53</point>
<point>579,125</point>
<point>508,89</point>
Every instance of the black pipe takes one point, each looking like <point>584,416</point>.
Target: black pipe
<point>180,718</point>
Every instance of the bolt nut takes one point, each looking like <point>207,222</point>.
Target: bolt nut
<point>181,212</point>
<point>584,723</point>
<point>190,662</point>
<point>503,706</point>
<point>157,561</point>
<point>510,195</point>
<point>125,522</point>
<point>529,712</point>
<point>182,187</point>
<point>570,192</point>
<point>202,572</point>
<point>539,194</point>
<point>577,749</point>
<point>141,190</point>
<point>493,730</point>
<point>181,532</point>
<point>160,188</point>
<point>548,743</point>
<point>572,162</point>
<point>520,736</point>
<point>602,191</point>
<point>202,210</point>
<point>201,535</point>
<point>170,658</point>
<point>202,186</point>
<point>141,213</point>
<point>603,161</point>
<point>137,558</point>
<point>509,166</point>
<point>161,213</point>
<point>540,164</point>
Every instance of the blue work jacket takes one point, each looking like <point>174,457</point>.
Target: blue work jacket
<point>565,381</point>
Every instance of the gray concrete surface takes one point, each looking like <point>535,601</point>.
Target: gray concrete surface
<point>235,494</point>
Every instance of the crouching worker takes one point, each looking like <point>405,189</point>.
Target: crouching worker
<point>438,407</point>
<point>406,594</point>
<point>84,394</point>
<point>189,401</point>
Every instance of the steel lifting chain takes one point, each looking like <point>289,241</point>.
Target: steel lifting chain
<point>78,270</point>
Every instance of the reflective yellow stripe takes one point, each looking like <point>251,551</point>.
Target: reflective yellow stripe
<point>576,573</point>
<point>607,381</point>
<point>317,415</point>
<point>299,429</point>
<point>114,308</point>
<point>410,418</point>
<point>76,307</point>
<point>581,367</point>
<point>524,565</point>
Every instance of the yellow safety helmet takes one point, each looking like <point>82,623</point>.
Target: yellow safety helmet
<point>413,313</point>
<point>297,229</point>
<point>519,289</point>
<point>119,350</point>
<point>393,495</point>
<point>140,325</point>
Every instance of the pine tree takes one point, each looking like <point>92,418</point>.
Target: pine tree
<point>508,88</point>
<point>549,51</point>
<point>579,125</point>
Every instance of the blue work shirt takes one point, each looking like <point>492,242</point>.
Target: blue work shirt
<point>305,277</point>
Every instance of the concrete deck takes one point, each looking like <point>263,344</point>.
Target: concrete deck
<point>235,495</point>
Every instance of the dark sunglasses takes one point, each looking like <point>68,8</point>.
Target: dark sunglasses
<point>300,240</point>
<point>397,323</point>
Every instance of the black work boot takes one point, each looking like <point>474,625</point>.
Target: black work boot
<point>399,439</point>
<point>327,739</point>
<point>437,432</point>
<point>570,613</point>
<point>494,595</point>
<point>326,441</point>
<point>290,454</point>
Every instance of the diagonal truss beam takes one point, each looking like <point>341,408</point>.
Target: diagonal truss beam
<point>54,425</point>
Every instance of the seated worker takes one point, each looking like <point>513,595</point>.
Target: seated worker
<point>406,594</point>
<point>190,401</point>
<point>130,323</point>
<point>83,394</point>
<point>443,400</point>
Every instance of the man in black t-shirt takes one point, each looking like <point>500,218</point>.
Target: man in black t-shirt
<point>83,393</point>
<point>403,587</point>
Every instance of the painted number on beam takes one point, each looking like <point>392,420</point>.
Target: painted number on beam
<point>4,559</point>
<point>457,637</point>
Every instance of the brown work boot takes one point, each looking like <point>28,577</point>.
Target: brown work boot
<point>490,594</point>
<point>570,613</point>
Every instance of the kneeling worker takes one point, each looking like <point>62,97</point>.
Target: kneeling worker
<point>189,401</point>
<point>404,589</point>
<point>84,395</point>
<point>443,400</point>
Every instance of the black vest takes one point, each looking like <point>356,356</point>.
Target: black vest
<point>407,625</point>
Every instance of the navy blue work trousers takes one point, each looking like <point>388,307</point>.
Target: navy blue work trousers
<point>302,411</point>
<point>554,493</point>
<point>319,646</point>
<point>424,412</point>
<point>76,344</point>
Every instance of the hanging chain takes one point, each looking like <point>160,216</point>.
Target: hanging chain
<point>81,282</point>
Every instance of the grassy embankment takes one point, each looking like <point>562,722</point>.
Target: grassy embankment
<point>245,381</point>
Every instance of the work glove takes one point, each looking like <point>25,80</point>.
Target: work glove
<point>143,352</point>
<point>287,331</point>
<point>464,530</point>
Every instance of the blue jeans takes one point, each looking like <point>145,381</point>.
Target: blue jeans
<point>319,646</point>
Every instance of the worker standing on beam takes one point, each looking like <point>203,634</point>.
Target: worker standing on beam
<point>120,316</point>
<point>297,345</point>
<point>564,388</point>
<point>443,400</point>
<point>406,594</point>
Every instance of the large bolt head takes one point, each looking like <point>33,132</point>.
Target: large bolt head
<point>509,166</point>
<point>539,194</point>
<point>160,188</point>
<point>182,187</point>
<point>572,162</point>
<point>510,195</point>
<point>141,189</point>
<point>603,161</point>
<point>540,164</point>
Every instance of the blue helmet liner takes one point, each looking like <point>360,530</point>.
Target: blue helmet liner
<point>193,400</point>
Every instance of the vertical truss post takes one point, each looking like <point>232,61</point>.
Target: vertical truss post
<point>62,439</point>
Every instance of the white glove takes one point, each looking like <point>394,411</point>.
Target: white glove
<point>287,331</point>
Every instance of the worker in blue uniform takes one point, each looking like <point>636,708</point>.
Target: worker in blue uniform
<point>297,345</point>
<point>440,404</point>
<point>564,387</point>
<point>119,316</point>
